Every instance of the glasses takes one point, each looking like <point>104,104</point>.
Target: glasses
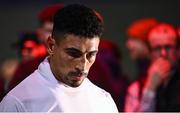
<point>167,48</point>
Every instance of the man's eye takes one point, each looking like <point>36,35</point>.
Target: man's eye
<point>169,48</point>
<point>157,49</point>
<point>74,54</point>
<point>90,55</point>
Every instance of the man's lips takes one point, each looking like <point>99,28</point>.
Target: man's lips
<point>77,78</point>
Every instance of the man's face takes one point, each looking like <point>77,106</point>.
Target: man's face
<point>163,46</point>
<point>27,51</point>
<point>137,49</point>
<point>72,58</point>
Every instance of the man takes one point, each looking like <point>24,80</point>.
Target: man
<point>136,43</point>
<point>160,90</point>
<point>60,83</point>
<point>7,69</point>
<point>45,17</point>
<point>29,47</point>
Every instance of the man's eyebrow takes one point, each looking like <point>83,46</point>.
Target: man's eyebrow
<point>77,50</point>
<point>73,50</point>
<point>95,51</point>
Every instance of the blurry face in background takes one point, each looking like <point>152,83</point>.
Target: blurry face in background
<point>163,46</point>
<point>27,50</point>
<point>32,50</point>
<point>72,58</point>
<point>45,31</point>
<point>137,49</point>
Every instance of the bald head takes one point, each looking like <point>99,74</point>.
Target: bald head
<point>162,40</point>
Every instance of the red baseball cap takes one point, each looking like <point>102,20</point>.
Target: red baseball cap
<point>139,29</point>
<point>47,14</point>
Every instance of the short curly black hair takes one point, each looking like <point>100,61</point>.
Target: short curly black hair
<point>77,20</point>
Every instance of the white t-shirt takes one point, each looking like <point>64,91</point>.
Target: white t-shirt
<point>41,92</point>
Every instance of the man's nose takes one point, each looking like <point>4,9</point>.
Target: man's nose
<point>81,64</point>
<point>163,52</point>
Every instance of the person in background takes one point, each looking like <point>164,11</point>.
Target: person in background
<point>45,18</point>
<point>7,69</point>
<point>29,47</point>
<point>136,43</point>
<point>60,83</point>
<point>159,90</point>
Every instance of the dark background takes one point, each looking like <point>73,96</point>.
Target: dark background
<point>21,15</point>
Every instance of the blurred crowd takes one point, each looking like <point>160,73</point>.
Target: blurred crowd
<point>153,45</point>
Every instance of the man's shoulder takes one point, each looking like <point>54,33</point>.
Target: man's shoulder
<point>98,90</point>
<point>28,84</point>
<point>102,97</point>
<point>11,103</point>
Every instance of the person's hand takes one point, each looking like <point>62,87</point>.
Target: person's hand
<point>158,73</point>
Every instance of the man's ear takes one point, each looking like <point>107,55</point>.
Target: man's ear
<point>51,45</point>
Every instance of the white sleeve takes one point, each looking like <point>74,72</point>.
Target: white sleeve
<point>11,104</point>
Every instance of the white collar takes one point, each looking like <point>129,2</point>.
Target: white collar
<point>45,70</point>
